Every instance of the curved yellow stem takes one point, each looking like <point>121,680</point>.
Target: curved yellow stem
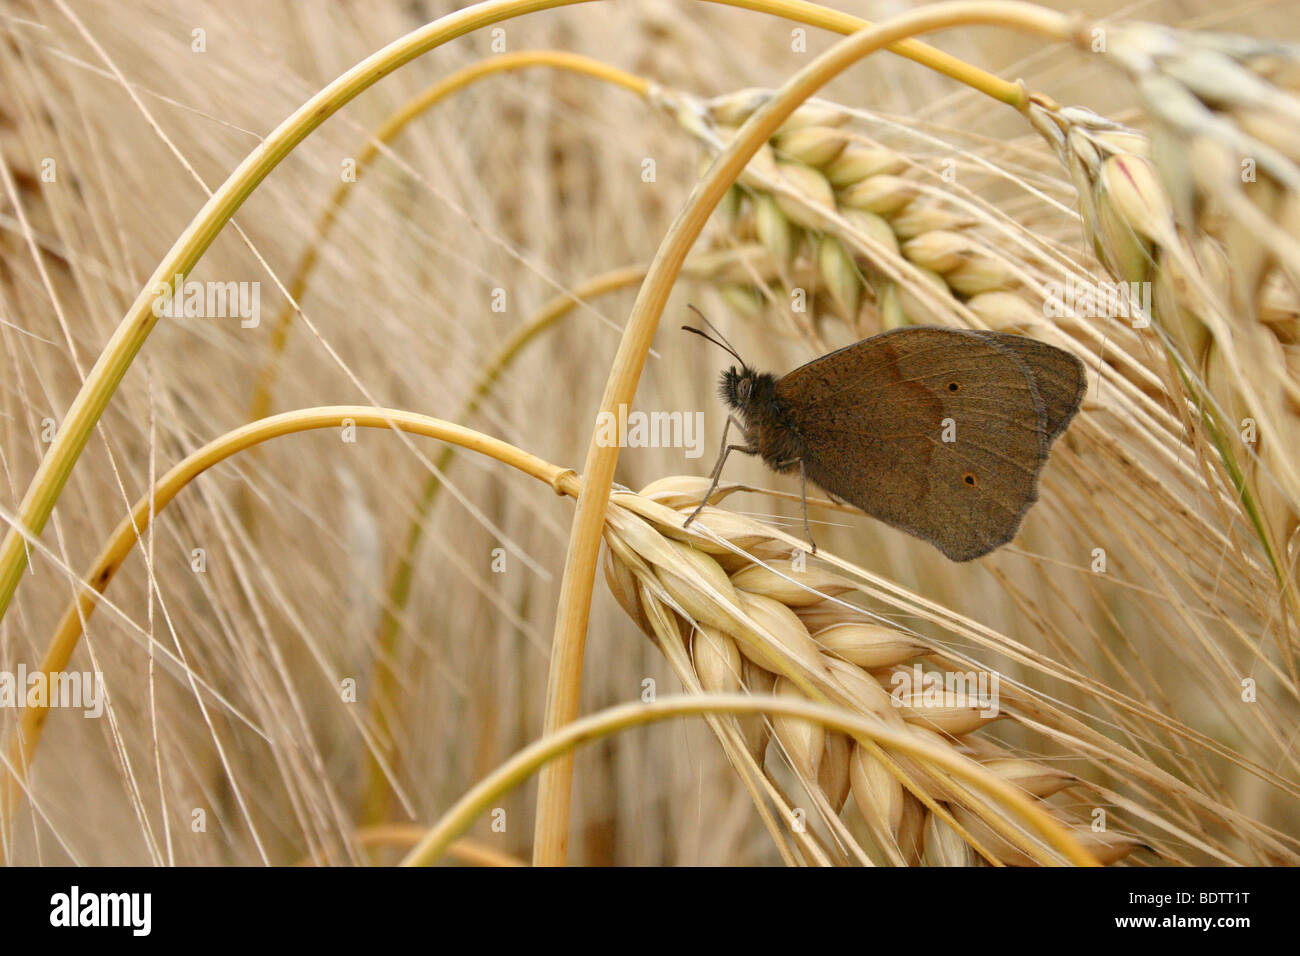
<point>568,646</point>
<point>102,381</point>
<point>390,129</point>
<point>556,745</point>
<point>22,744</point>
<point>815,15</point>
<point>375,794</point>
<point>374,801</point>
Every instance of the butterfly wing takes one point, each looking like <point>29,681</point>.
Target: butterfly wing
<point>939,432</point>
<point>1058,375</point>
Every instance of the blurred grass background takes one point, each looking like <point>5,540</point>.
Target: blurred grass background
<point>529,183</point>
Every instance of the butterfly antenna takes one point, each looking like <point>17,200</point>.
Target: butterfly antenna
<point>721,340</point>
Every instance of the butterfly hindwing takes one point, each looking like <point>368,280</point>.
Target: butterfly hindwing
<point>1058,375</point>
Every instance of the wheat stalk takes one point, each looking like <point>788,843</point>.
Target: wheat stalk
<point>736,591</point>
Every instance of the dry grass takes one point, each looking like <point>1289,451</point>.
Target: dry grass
<point>432,581</point>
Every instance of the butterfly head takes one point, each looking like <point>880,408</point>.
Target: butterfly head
<point>744,389</point>
<point>748,392</point>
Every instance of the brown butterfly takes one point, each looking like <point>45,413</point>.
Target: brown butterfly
<point>940,432</point>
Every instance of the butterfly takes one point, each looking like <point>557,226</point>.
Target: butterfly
<point>939,432</point>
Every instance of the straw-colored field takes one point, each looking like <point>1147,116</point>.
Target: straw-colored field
<point>354,619</point>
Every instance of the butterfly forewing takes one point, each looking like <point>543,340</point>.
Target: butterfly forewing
<point>939,432</point>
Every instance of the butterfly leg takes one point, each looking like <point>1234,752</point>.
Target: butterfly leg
<point>803,494</point>
<point>717,468</point>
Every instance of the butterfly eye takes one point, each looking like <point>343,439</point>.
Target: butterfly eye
<point>743,389</point>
